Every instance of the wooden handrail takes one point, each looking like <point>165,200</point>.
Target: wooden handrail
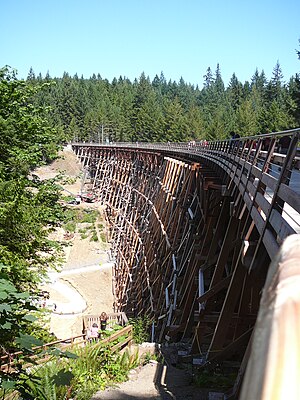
<point>267,180</point>
<point>111,316</point>
<point>274,364</point>
<point>87,320</point>
<point>44,346</point>
<point>127,330</point>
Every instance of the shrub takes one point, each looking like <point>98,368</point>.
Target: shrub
<point>141,326</point>
<point>103,237</point>
<point>88,216</point>
<point>94,237</point>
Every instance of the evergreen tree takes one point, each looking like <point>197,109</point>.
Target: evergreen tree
<point>247,121</point>
<point>175,123</point>
<point>274,89</point>
<point>29,207</point>
<point>235,92</point>
<point>208,79</point>
<point>31,75</point>
<point>294,91</point>
<point>195,122</point>
<point>259,81</point>
<point>218,84</point>
<point>137,110</point>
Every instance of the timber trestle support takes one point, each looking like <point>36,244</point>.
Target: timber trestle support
<point>193,233</point>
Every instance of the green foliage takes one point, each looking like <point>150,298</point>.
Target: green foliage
<point>98,367</point>
<point>72,375</point>
<point>70,226</point>
<point>217,380</point>
<point>93,368</point>
<point>129,361</point>
<point>73,217</point>
<point>51,381</point>
<point>27,139</point>
<point>94,237</point>
<point>141,328</point>
<point>88,216</point>
<point>15,313</point>
<point>150,357</point>
<point>40,328</point>
<point>29,207</point>
<point>29,211</point>
<point>47,381</point>
<point>95,109</point>
<point>103,237</point>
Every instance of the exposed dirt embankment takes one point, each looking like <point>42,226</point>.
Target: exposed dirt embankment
<point>85,271</point>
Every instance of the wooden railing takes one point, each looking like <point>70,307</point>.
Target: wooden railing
<point>8,361</point>
<point>224,146</point>
<point>119,318</point>
<point>265,173</point>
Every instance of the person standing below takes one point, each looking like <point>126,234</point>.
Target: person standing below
<point>284,144</point>
<point>234,135</point>
<point>78,199</point>
<point>103,321</point>
<point>232,141</point>
<point>93,332</point>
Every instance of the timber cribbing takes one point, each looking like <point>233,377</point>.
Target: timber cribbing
<point>194,227</point>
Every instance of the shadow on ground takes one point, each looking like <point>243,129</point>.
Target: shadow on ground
<point>158,381</point>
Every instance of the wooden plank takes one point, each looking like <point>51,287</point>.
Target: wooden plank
<point>225,250</point>
<point>236,346</point>
<point>269,181</point>
<point>229,304</point>
<point>270,243</point>
<point>262,203</point>
<point>215,289</point>
<point>281,227</point>
<point>289,196</point>
<point>258,220</point>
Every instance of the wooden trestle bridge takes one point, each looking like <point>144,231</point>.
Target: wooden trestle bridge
<point>194,228</point>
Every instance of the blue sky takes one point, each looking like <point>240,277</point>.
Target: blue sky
<point>182,38</point>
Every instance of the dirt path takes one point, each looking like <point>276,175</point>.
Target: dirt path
<point>156,381</point>
<point>84,285</point>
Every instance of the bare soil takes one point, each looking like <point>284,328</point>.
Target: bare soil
<point>86,269</point>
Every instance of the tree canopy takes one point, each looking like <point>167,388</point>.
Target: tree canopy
<point>29,207</point>
<point>161,110</point>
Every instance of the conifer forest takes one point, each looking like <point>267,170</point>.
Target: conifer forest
<point>162,110</point>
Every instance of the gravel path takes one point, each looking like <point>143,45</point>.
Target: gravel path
<point>140,386</point>
<point>84,285</point>
<point>157,381</point>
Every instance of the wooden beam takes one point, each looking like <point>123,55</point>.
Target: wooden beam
<point>229,304</point>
